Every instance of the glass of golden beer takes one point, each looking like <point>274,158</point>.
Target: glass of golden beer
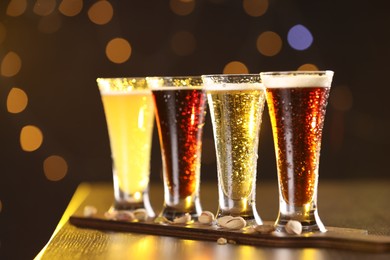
<point>236,105</point>
<point>297,103</point>
<point>180,109</point>
<point>129,111</point>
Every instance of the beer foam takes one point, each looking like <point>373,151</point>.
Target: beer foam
<point>122,86</point>
<point>297,79</point>
<point>233,86</point>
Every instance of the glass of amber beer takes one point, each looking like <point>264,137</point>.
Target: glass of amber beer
<point>236,105</point>
<point>180,109</point>
<point>129,111</point>
<point>297,103</point>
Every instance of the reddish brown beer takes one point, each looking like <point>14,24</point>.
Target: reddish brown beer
<point>180,109</point>
<point>297,104</point>
<point>297,116</point>
<point>180,116</point>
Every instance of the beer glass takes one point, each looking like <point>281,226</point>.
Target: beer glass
<point>236,105</point>
<point>129,111</point>
<point>180,109</point>
<point>297,103</point>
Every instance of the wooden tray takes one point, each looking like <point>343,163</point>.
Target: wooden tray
<point>335,238</point>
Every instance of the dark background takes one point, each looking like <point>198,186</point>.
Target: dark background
<point>59,70</point>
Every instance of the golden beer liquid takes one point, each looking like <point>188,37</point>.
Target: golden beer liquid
<point>130,119</point>
<point>236,119</point>
<point>297,117</point>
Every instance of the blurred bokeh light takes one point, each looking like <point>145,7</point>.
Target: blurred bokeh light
<point>55,168</point>
<point>101,12</point>
<point>182,7</point>
<point>235,67</point>
<point>299,37</point>
<point>17,100</point>
<point>44,7</point>
<point>269,43</point>
<point>16,7</point>
<point>70,7</point>
<point>308,67</point>
<point>255,8</point>
<point>11,64</point>
<point>31,138</point>
<point>118,50</point>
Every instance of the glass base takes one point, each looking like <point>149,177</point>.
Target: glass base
<point>245,208</point>
<point>123,203</point>
<point>175,211</point>
<point>310,221</point>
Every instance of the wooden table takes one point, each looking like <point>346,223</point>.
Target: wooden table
<point>361,204</point>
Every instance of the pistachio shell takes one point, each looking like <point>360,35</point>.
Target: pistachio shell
<point>235,223</point>
<point>264,229</point>
<point>222,241</point>
<point>222,220</point>
<point>183,219</point>
<point>140,214</point>
<point>122,215</point>
<point>206,218</point>
<point>293,227</point>
<point>90,211</point>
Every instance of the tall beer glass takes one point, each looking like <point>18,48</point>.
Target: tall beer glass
<point>180,106</point>
<point>297,104</point>
<point>128,107</point>
<point>236,105</point>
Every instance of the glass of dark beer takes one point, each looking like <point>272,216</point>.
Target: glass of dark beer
<point>297,104</point>
<point>236,105</point>
<point>180,109</point>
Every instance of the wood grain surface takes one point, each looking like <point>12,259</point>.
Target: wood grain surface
<point>336,238</point>
<point>351,207</point>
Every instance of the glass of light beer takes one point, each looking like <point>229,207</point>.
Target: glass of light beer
<point>129,110</point>
<point>180,109</point>
<point>297,103</point>
<point>236,105</point>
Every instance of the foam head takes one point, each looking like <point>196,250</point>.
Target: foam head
<point>232,82</point>
<point>122,86</point>
<point>297,79</point>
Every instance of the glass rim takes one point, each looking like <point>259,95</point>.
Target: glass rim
<point>298,72</point>
<point>120,78</point>
<point>170,82</point>
<point>122,84</point>
<point>174,77</point>
<point>229,75</point>
<point>239,80</point>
